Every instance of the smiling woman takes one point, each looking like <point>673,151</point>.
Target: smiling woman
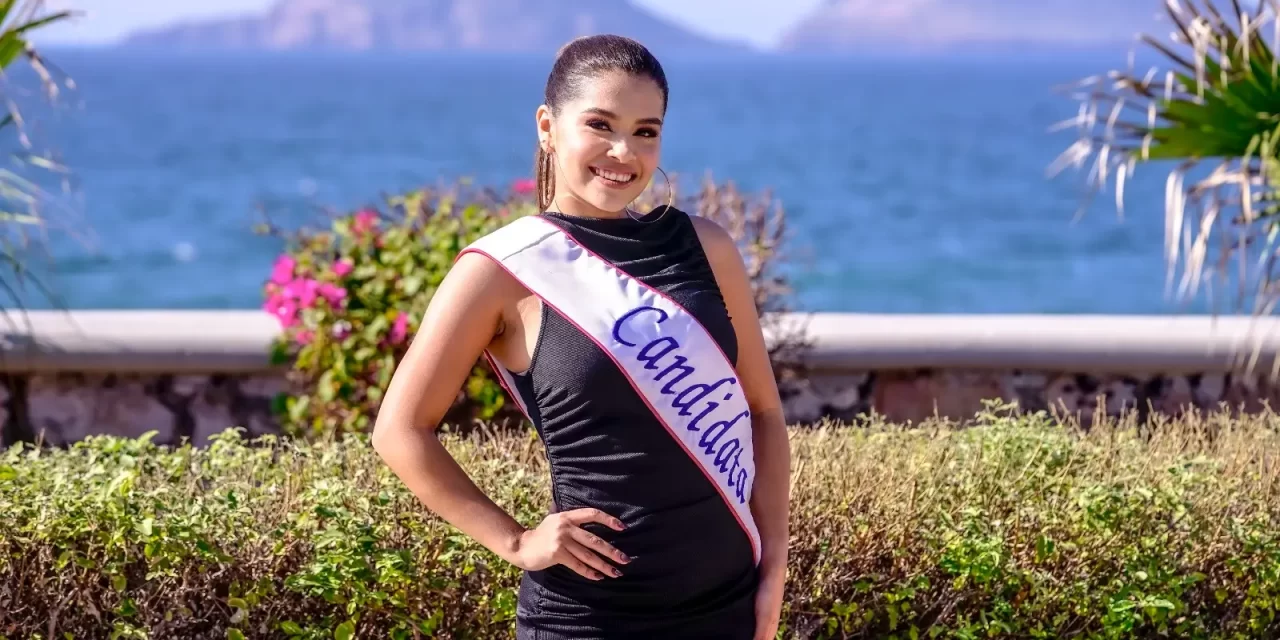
<point>600,128</point>
<point>632,343</point>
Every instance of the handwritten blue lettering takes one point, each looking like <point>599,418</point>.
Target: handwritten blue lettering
<point>733,468</point>
<point>660,354</point>
<point>724,454</point>
<point>668,345</point>
<point>708,441</point>
<point>701,391</point>
<point>617,326</point>
<point>693,424</point>
<point>685,372</point>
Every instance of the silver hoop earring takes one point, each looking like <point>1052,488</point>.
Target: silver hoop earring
<point>671,197</point>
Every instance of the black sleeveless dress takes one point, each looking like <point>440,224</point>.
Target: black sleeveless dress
<point>692,573</point>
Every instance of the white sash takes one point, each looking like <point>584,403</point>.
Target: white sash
<point>674,364</point>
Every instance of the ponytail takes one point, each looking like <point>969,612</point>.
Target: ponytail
<point>544,179</point>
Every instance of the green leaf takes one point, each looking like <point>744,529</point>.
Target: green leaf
<point>127,608</point>
<point>10,49</point>
<point>345,631</point>
<point>327,386</point>
<point>290,627</point>
<point>234,634</point>
<point>237,603</point>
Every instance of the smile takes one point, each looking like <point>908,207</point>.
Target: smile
<point>614,178</point>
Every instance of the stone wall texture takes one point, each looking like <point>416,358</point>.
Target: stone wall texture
<point>914,396</point>
<point>61,408</point>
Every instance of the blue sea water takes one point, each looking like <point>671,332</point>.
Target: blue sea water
<point>911,186</point>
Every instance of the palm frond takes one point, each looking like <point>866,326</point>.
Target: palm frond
<point>1213,105</point>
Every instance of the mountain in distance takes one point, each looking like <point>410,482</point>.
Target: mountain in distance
<point>429,25</point>
<point>939,26</point>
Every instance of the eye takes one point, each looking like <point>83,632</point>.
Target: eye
<point>648,132</point>
<point>600,125</point>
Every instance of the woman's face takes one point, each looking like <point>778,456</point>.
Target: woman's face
<point>605,143</point>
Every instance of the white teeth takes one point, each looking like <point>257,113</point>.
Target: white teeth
<point>615,177</point>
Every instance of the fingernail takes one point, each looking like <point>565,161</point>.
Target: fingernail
<point>624,557</point>
<point>617,574</point>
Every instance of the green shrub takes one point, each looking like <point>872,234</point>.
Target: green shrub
<point>1014,528</point>
<point>349,297</point>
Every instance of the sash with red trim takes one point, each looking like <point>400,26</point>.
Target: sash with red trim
<point>674,364</point>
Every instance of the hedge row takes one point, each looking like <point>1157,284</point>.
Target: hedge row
<point>1019,527</point>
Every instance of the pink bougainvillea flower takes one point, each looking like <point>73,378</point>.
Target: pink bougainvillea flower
<point>304,337</point>
<point>332,293</point>
<point>282,270</point>
<point>303,290</point>
<point>272,302</point>
<point>343,268</point>
<point>524,186</point>
<point>284,310</point>
<point>400,329</point>
<point>365,220</point>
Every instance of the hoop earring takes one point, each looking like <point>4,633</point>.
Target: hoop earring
<point>671,197</point>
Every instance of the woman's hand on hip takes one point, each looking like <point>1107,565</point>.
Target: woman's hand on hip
<point>560,539</point>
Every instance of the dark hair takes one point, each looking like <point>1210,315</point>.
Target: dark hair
<point>576,63</point>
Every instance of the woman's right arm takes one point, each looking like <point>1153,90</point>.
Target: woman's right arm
<point>460,322</point>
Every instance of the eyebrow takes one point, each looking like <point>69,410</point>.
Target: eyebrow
<point>609,114</point>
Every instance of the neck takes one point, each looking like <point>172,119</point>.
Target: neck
<point>569,204</point>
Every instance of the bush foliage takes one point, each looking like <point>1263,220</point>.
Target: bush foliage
<point>349,297</point>
<point>1017,527</point>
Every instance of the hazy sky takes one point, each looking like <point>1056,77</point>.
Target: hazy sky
<point>759,21</point>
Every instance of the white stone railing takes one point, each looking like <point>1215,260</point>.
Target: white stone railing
<point>137,341</point>
<point>1096,343</point>
<point>190,373</point>
<point>238,341</point>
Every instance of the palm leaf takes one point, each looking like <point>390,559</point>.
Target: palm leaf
<point>40,22</point>
<point>19,197</point>
<point>1214,102</point>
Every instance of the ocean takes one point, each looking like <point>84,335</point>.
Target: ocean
<point>911,186</point>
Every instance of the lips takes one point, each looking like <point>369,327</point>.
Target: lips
<point>613,178</point>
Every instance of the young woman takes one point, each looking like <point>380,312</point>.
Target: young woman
<point>631,341</point>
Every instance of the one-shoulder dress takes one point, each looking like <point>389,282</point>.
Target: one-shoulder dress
<point>692,572</point>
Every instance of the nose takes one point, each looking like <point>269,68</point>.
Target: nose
<point>621,151</point>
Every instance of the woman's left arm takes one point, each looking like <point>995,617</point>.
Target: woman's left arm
<point>770,497</point>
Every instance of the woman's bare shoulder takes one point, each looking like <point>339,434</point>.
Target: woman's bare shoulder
<point>716,241</point>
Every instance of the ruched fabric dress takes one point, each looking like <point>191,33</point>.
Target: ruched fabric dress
<point>692,573</point>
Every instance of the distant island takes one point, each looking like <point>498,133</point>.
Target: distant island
<point>430,25</point>
<point>881,27</point>
<point>939,26</point>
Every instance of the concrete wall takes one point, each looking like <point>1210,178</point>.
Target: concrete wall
<point>194,373</point>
